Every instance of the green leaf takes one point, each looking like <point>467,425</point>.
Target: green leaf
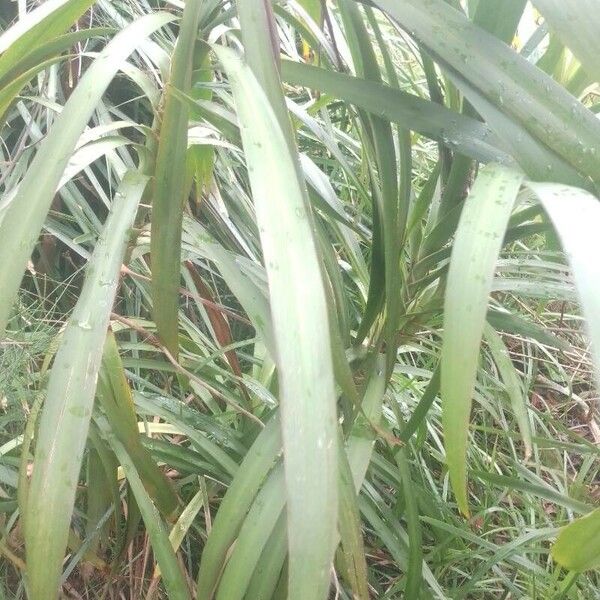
<point>183,524</point>
<point>543,490</point>
<point>172,575</point>
<point>353,550</point>
<point>500,19</point>
<point>305,370</point>
<point>420,412</point>
<point>98,499</point>
<point>253,536</point>
<point>468,136</point>
<point>23,217</point>
<point>575,215</point>
<point>478,241</point>
<point>66,414</point>
<point>268,571</point>
<point>15,77</point>
<point>512,384</point>
<point>362,437</point>
<point>506,80</point>
<point>391,206</point>
<point>313,8</point>
<point>258,461</point>
<point>195,428</point>
<point>171,185</point>
<point>38,26</point>
<point>414,575</point>
<point>578,544</point>
<point>513,323</point>
<point>115,397</point>
<point>577,23</point>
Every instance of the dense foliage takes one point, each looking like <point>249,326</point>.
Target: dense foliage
<point>300,299</point>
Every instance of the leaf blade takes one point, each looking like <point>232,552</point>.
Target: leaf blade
<point>478,240</point>
<point>67,411</point>
<point>308,401</point>
<point>22,219</point>
<point>171,185</point>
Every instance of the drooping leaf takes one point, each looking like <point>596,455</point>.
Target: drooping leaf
<point>467,135</point>
<point>23,217</point>
<point>532,99</point>
<point>478,241</point>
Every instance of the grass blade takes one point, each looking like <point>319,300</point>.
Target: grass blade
<point>258,462</point>
<point>512,384</point>
<point>268,570</point>
<point>353,551</point>
<point>15,77</point>
<point>575,215</point>
<point>253,536</point>
<point>115,397</point>
<point>362,437</point>
<point>181,527</point>
<point>388,203</point>
<point>38,26</point>
<point>542,490</point>
<point>513,85</point>
<point>467,135</point>
<point>414,575</point>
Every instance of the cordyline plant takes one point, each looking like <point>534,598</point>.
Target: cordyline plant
<point>296,265</point>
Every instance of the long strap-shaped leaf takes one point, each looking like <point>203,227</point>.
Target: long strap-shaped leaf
<point>301,328</point>
<point>578,544</point>
<point>66,415</point>
<point>362,437</point>
<point>258,461</point>
<point>16,76</point>
<point>269,571</point>
<point>478,241</point>
<point>253,536</point>
<point>38,26</point>
<point>512,384</point>
<point>56,46</point>
<point>170,570</point>
<point>575,215</point>
<point>170,187</point>
<point>467,135</point>
<point>352,546</point>
<point>506,79</point>
<point>500,19</point>
<point>23,218</point>
<point>388,203</point>
<point>115,397</point>
<point>577,23</point>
